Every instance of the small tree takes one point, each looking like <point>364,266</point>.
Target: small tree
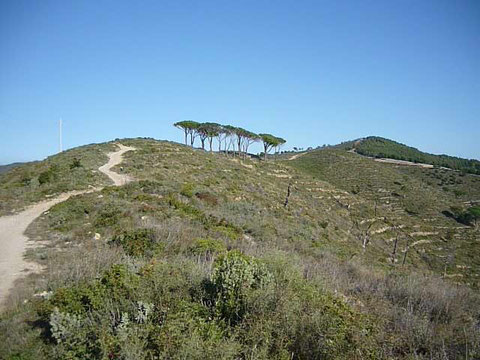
<point>202,131</point>
<point>189,127</point>
<point>280,142</point>
<point>241,135</point>
<point>269,141</point>
<point>211,130</point>
<point>230,136</point>
<point>249,139</point>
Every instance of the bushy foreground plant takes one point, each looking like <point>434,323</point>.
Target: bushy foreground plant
<point>245,308</point>
<point>234,277</point>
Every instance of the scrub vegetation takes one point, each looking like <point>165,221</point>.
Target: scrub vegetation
<point>202,257</point>
<point>384,148</point>
<point>75,169</point>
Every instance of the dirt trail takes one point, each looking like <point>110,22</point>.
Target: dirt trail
<point>13,241</point>
<point>297,155</point>
<point>116,158</point>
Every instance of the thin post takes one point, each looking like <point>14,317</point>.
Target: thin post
<point>60,135</point>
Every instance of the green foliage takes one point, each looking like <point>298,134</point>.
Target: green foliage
<point>207,247</point>
<point>49,175</point>
<point>233,277</point>
<point>187,124</point>
<point>138,242</point>
<point>108,216</point>
<point>75,163</point>
<point>384,148</point>
<point>188,190</point>
<point>466,217</point>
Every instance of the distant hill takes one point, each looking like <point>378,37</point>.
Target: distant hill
<point>5,168</point>
<point>384,148</point>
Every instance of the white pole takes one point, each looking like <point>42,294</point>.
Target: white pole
<point>60,132</point>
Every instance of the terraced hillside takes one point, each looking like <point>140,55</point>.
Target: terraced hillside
<point>202,257</point>
<point>414,205</point>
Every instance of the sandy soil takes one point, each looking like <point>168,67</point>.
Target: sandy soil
<point>13,241</point>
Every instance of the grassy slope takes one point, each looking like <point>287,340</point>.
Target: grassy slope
<point>413,198</point>
<point>384,148</point>
<point>311,248</point>
<point>20,186</point>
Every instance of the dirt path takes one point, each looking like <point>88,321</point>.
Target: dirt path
<point>13,241</point>
<point>404,162</point>
<point>297,155</point>
<point>116,158</point>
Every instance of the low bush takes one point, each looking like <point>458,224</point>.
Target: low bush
<point>49,175</point>
<point>138,242</point>
<point>233,277</point>
<point>207,247</point>
<point>188,190</point>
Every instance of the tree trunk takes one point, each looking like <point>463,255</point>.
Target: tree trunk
<point>186,133</point>
<point>203,143</point>
<point>211,141</point>
<point>288,195</point>
<point>394,252</point>
<point>405,253</point>
<point>192,139</point>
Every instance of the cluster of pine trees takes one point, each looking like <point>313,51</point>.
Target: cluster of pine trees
<point>231,138</point>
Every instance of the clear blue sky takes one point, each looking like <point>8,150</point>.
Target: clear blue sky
<point>312,72</point>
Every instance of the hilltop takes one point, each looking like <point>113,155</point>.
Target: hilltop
<point>199,257</point>
<point>379,147</point>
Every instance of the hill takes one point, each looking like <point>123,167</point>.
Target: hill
<point>74,169</point>
<point>199,257</point>
<point>383,148</point>
<point>5,168</point>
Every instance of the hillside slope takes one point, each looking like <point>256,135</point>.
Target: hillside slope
<point>74,169</point>
<point>413,203</point>
<point>200,258</point>
<point>383,148</point>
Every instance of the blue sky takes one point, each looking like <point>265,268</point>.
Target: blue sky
<point>312,72</point>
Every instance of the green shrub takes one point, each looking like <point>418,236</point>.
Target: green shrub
<point>108,216</point>
<point>188,190</point>
<point>75,163</point>
<point>49,175</point>
<point>233,277</point>
<point>207,247</point>
<point>138,242</point>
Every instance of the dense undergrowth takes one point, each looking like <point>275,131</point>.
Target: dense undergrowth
<point>200,259</point>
